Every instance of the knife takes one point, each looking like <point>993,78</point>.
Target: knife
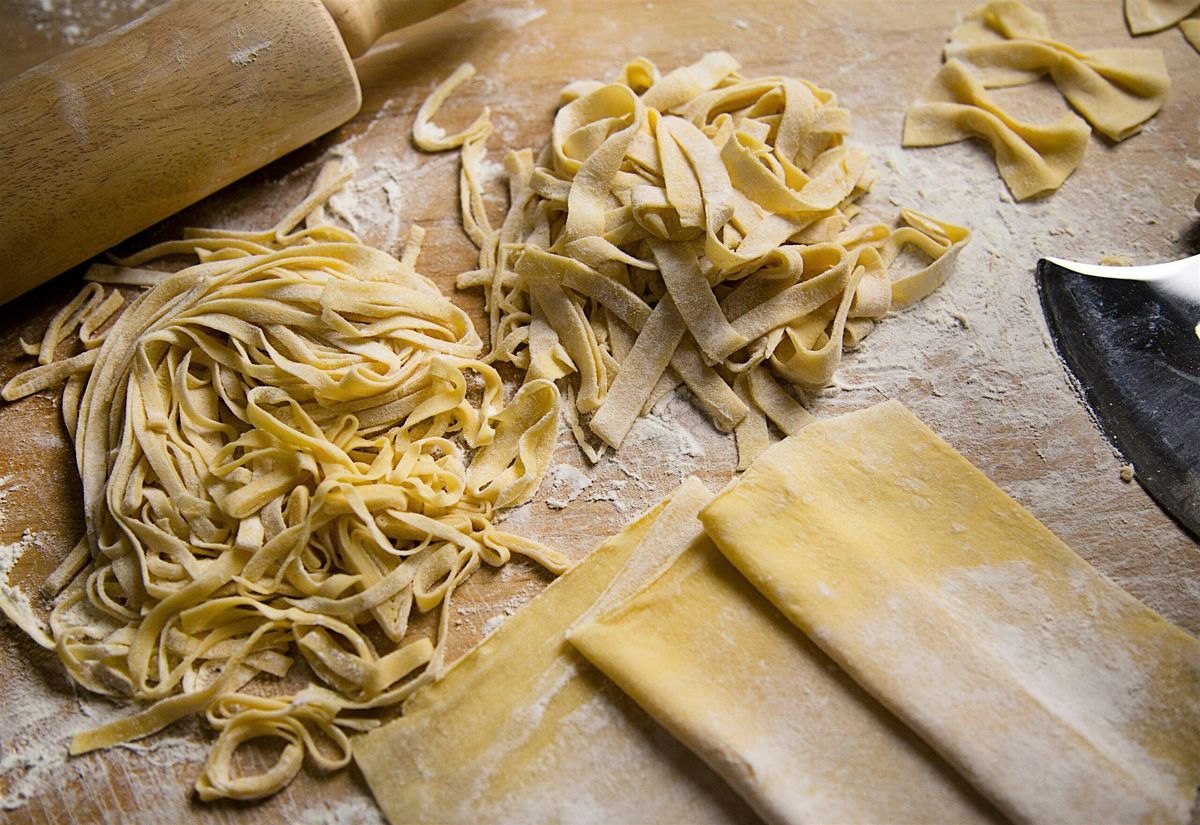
<point>1131,337</point>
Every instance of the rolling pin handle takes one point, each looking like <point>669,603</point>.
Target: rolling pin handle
<point>362,22</point>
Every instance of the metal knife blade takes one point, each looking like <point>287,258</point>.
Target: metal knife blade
<point>1135,350</point>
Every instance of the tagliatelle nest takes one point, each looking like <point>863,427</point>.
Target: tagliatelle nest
<point>273,447</point>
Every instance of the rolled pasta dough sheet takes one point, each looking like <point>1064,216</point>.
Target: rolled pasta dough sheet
<point>523,730</point>
<point>1056,693</point>
<point>711,659</point>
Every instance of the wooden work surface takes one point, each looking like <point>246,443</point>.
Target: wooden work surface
<point>973,360</point>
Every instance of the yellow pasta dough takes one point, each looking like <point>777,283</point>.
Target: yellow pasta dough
<point>1009,44</point>
<point>1005,43</point>
<point>274,448</point>
<point>1191,31</point>
<point>1145,16</point>
<point>523,730</point>
<point>692,227</point>
<point>1033,158</point>
<point>1053,691</point>
<point>431,138</point>
<point>705,654</point>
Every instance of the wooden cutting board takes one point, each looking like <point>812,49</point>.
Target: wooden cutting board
<point>973,360</point>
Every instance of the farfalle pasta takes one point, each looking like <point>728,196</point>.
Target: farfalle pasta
<point>1033,158</point>
<point>1009,44</point>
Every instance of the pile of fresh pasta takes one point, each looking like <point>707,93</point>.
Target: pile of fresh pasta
<point>292,443</point>
<point>695,227</point>
<point>273,445</point>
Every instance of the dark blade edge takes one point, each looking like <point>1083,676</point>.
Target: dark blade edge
<point>1137,362</point>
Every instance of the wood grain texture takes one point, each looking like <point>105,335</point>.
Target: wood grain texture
<point>363,22</point>
<point>108,139</point>
<point>972,361</point>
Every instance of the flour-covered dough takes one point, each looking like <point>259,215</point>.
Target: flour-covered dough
<point>523,730</point>
<point>1052,690</point>
<point>705,654</point>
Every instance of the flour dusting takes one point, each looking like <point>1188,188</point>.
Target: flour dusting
<point>565,483</point>
<point>75,21</point>
<point>12,595</point>
<point>249,54</point>
<point>509,15</point>
<point>8,485</point>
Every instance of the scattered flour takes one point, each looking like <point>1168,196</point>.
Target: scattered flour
<point>35,752</point>
<point>491,624</point>
<point>492,171</point>
<point>15,597</point>
<point>511,15</point>
<point>515,518</point>
<point>662,428</point>
<point>343,205</point>
<point>249,54</point>
<point>7,486</point>
<point>565,483</point>
<point>506,608</point>
<point>611,493</point>
<point>436,132</point>
<point>341,812</point>
<point>379,203</point>
<point>75,21</point>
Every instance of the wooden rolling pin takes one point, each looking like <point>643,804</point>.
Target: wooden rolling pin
<point>108,139</point>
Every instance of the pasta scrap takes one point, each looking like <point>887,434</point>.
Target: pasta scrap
<point>696,228</point>
<point>1191,32</point>
<point>1145,16</point>
<point>432,138</point>
<point>1033,158</point>
<point>275,447</point>
<point>1009,44</point>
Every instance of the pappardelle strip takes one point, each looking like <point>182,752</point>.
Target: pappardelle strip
<point>695,227</point>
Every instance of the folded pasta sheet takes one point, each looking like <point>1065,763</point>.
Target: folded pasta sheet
<point>1009,44</point>
<point>1191,30</point>
<point>522,729</point>
<point>723,670</point>
<point>1057,694</point>
<point>1145,16</point>
<point>1033,158</point>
